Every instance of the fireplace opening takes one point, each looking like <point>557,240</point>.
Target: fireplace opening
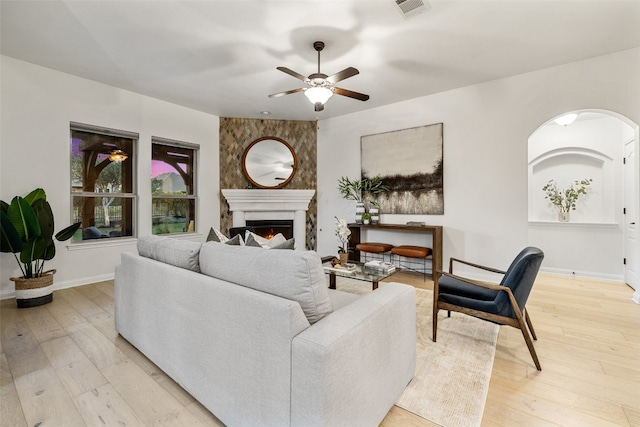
<point>266,228</point>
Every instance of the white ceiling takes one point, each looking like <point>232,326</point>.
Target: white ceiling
<point>220,57</point>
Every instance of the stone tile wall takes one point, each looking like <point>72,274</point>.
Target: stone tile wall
<point>235,136</point>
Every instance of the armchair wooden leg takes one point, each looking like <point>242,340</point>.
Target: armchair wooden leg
<point>523,328</point>
<point>529,324</point>
<point>527,339</point>
<point>435,321</point>
<point>532,350</point>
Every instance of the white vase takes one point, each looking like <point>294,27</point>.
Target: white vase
<point>564,216</point>
<point>359,212</point>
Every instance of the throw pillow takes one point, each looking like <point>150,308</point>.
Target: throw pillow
<point>235,241</point>
<point>276,242</point>
<point>251,241</point>
<point>216,236</point>
<point>287,244</point>
<point>263,241</point>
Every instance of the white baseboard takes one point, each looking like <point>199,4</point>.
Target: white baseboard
<point>66,284</point>
<point>636,297</point>
<point>589,274</point>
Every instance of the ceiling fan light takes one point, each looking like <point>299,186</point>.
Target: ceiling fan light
<point>318,94</point>
<point>567,119</point>
<point>118,156</point>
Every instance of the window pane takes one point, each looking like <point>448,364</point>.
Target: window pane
<point>92,170</point>
<point>172,170</point>
<point>173,215</point>
<point>102,168</point>
<point>103,217</point>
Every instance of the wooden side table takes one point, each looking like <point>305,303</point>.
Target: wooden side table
<point>435,230</point>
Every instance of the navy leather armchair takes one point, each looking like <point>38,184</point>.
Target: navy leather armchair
<point>502,303</point>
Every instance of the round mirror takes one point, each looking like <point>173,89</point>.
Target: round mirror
<point>269,162</point>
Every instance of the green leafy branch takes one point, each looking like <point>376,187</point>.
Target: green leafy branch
<point>566,199</point>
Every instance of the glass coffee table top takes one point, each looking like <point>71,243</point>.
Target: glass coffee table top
<point>356,271</point>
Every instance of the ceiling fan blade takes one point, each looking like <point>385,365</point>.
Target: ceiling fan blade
<point>292,73</point>
<point>350,94</point>
<point>344,74</point>
<point>288,92</point>
<point>318,107</point>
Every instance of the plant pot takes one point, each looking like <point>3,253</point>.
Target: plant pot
<point>344,258</point>
<point>359,212</point>
<point>366,221</point>
<point>375,215</point>
<point>564,216</point>
<point>34,291</point>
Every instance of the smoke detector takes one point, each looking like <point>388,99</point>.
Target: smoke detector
<point>411,8</point>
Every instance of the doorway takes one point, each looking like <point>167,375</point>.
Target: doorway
<point>601,239</point>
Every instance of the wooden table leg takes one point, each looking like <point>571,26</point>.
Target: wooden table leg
<point>332,280</point>
<point>375,285</point>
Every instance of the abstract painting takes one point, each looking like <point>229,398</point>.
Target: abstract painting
<point>409,161</point>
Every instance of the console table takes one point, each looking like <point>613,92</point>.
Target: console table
<point>434,230</point>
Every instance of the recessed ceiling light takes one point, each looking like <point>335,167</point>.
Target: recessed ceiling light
<point>567,119</point>
<point>265,113</point>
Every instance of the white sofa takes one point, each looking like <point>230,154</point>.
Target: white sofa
<point>257,338</point>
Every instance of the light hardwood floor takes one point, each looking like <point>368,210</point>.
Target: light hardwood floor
<point>63,364</point>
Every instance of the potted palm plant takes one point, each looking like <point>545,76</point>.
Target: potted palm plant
<point>26,230</point>
<point>373,188</point>
<point>352,190</point>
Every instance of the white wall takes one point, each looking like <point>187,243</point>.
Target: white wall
<point>37,105</point>
<point>486,128</point>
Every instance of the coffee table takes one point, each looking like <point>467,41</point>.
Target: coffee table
<point>360,273</point>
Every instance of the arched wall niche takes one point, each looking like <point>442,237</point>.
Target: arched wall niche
<point>591,148</point>
<point>564,166</point>
<point>592,243</point>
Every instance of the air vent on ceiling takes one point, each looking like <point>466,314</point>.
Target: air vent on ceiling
<point>411,8</point>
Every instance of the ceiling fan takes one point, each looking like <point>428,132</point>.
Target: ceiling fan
<point>320,86</point>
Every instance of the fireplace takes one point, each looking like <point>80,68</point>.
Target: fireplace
<point>269,205</point>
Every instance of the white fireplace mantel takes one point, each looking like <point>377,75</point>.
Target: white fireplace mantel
<point>271,204</point>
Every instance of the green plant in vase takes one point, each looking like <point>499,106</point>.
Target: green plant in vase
<point>565,199</point>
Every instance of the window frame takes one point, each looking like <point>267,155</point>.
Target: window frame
<point>157,140</point>
<point>133,195</point>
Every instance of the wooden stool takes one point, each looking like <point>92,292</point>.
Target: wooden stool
<point>374,248</point>
<point>413,252</point>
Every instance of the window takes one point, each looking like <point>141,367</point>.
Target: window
<point>102,182</point>
<point>173,186</point>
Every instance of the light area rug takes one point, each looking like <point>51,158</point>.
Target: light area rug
<point>452,375</point>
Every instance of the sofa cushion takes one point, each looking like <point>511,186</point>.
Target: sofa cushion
<point>294,275</point>
<point>179,253</point>
<point>148,246</point>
